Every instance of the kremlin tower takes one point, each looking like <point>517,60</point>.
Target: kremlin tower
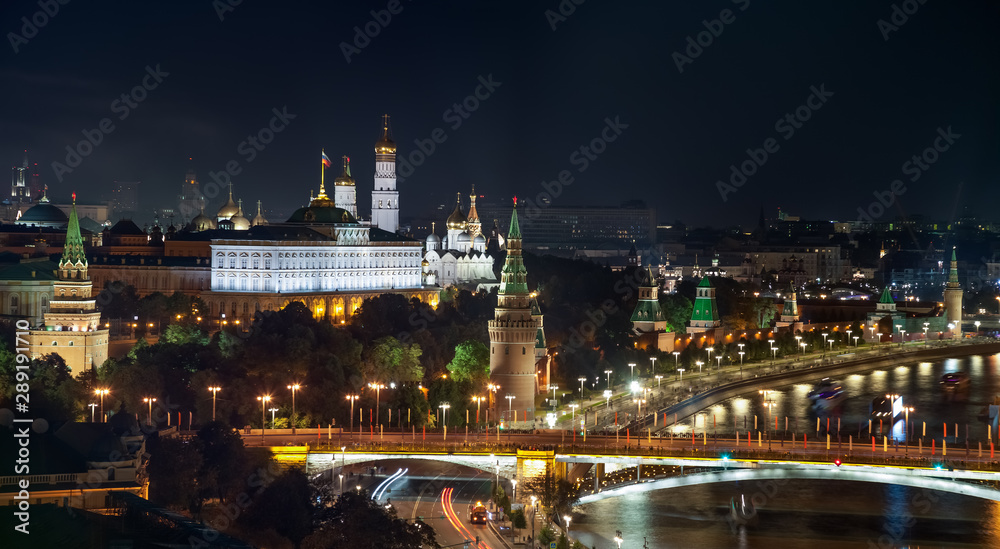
<point>345,192</point>
<point>385,197</point>
<point>513,335</point>
<point>953,297</point>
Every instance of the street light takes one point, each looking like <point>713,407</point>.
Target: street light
<point>352,398</point>
<point>214,390</point>
<point>719,362</point>
<point>444,417</point>
<point>710,350</point>
<point>632,366</point>
<point>478,400</point>
<point>607,396</point>
<point>510,404</point>
<point>927,326</point>
<point>293,387</point>
<point>573,408</point>
<point>553,387</point>
<point>906,427</point>
<point>513,483</point>
<point>798,342</point>
<point>699,363</point>
<point>774,354</point>
<point>680,371</point>
<point>567,519</point>
<point>652,364</point>
<point>150,401</point>
<point>658,379</point>
<point>272,410</point>
<point>378,389</point>
<point>101,393</point>
<point>824,343</point>
<point>677,356</point>
<point>93,406</point>
<point>534,502</point>
<point>582,380</point>
<point>608,372</point>
<point>618,538</point>
<point>263,404</point>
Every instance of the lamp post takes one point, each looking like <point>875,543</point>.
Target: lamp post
<point>824,343</point>
<point>444,417</point>
<point>294,387</point>
<point>573,408</point>
<point>906,427</point>
<point>272,410</point>
<point>658,379</point>
<point>652,364</point>
<point>608,372</point>
<point>879,340</point>
<point>774,354</point>
<point>378,391</point>
<point>607,397</point>
<point>927,326</point>
<point>93,406</point>
<point>214,390</point>
<point>510,404</point>
<point>264,399</point>
<point>680,378</point>
<point>631,365</point>
<point>553,387</point>
<point>352,398</point>
<point>582,380</point>
<point>149,401</point>
<point>478,400</point>
<point>798,342</point>
<point>101,393</point>
<point>534,502</point>
<point>718,360</point>
<point>710,350</point>
<point>638,410</point>
<point>677,356</point>
<point>567,518</point>
<point>699,363</point>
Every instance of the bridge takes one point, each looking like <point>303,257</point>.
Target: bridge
<point>672,463</point>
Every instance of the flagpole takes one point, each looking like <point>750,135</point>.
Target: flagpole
<point>322,169</point>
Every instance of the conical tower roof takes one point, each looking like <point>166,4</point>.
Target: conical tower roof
<point>514,277</point>
<point>886,296</point>
<point>73,256</point>
<point>953,272</point>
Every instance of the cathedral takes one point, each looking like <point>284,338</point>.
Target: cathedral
<point>460,257</point>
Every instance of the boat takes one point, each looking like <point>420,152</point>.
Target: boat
<point>742,512</point>
<point>827,394</point>
<point>955,382</point>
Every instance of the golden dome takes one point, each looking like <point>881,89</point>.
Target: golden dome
<point>457,219</point>
<point>385,144</point>
<point>229,209</point>
<point>240,222</point>
<point>345,179</point>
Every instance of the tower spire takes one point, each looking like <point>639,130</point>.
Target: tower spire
<point>73,264</point>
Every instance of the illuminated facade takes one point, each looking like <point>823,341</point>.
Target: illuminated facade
<point>385,197</point>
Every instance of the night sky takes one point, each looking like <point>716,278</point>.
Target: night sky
<point>556,88</point>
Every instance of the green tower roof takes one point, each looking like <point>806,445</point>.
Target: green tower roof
<point>513,276</point>
<point>953,272</point>
<point>515,227</point>
<point>73,253</point>
<point>886,296</point>
<point>705,308</point>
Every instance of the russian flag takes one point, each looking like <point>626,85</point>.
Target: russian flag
<point>326,160</point>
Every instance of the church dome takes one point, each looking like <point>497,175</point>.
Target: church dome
<point>229,209</point>
<point>479,240</point>
<point>240,221</point>
<point>433,239</point>
<point>202,222</point>
<point>345,179</point>
<point>385,144</point>
<point>457,220</point>
<point>425,263</point>
<point>463,239</point>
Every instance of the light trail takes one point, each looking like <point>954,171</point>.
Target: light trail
<point>453,518</point>
<point>385,483</point>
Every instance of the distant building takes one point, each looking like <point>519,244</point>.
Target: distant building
<point>576,227</point>
<point>460,257</point>
<point>385,197</point>
<point>125,198</point>
<point>705,313</point>
<point>648,321</point>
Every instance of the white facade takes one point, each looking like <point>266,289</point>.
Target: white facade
<point>452,267</point>
<point>346,198</point>
<point>385,197</point>
<point>296,266</point>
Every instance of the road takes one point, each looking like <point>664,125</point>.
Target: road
<point>440,494</point>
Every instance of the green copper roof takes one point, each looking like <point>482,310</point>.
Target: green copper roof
<point>535,310</point>
<point>515,227</point>
<point>886,296</point>
<point>73,249</point>
<point>648,280</point>
<point>647,310</point>
<point>539,339</point>
<point>953,273</point>
<point>705,308</point>
<point>513,276</point>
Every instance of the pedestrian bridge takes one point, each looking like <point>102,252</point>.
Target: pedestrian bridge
<point>768,476</point>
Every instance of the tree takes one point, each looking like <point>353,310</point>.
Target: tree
<point>389,360</point>
<point>284,506</point>
<point>471,363</point>
<point>173,473</point>
<point>182,334</point>
<point>357,521</point>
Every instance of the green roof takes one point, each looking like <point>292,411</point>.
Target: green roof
<point>42,269</point>
<point>648,310</point>
<point>705,308</point>
<point>515,227</point>
<point>953,273</point>
<point>886,296</point>
<point>73,253</point>
<point>706,283</point>
<point>321,214</point>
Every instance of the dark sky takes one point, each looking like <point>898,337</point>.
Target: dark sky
<point>605,60</point>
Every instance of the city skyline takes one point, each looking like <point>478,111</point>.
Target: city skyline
<point>668,121</point>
